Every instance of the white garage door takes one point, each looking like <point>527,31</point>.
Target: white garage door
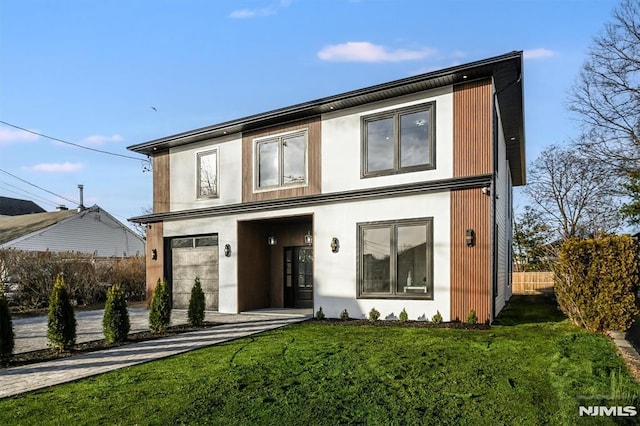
<point>195,257</point>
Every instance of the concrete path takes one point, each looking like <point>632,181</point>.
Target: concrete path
<point>18,380</point>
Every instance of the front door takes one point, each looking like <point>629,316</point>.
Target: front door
<point>298,277</point>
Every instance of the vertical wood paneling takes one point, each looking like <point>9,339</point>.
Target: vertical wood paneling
<point>155,268</point>
<point>161,186</point>
<point>470,266</point>
<point>314,161</point>
<point>253,267</point>
<point>472,129</point>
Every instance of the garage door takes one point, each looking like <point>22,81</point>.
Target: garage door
<point>195,257</point>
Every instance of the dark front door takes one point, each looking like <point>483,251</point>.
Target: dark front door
<point>298,277</point>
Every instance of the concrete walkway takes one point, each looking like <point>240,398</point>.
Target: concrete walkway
<point>18,380</point>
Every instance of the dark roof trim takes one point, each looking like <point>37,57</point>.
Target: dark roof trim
<point>505,70</point>
<point>319,199</point>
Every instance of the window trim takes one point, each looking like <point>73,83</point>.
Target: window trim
<point>393,268</point>
<point>280,137</point>
<point>395,114</point>
<point>199,156</point>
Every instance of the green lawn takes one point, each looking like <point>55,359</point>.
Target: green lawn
<point>534,368</point>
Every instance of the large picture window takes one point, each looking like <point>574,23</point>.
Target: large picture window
<point>207,174</point>
<point>396,259</point>
<point>399,141</point>
<point>281,161</point>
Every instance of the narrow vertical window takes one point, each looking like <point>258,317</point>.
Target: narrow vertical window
<point>207,174</point>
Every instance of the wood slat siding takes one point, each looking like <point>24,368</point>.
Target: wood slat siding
<point>155,268</point>
<point>314,159</point>
<point>470,209</point>
<point>472,129</point>
<point>532,282</point>
<point>161,186</point>
<point>254,290</point>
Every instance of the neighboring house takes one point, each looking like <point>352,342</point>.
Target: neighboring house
<point>91,230</point>
<point>395,196</point>
<point>15,207</point>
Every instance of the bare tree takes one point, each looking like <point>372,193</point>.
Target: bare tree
<point>607,95</point>
<point>575,196</point>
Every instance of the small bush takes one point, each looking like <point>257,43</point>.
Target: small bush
<point>472,318</point>
<point>6,330</point>
<point>344,315</point>
<point>437,318</point>
<point>115,322</point>
<point>195,313</point>
<point>597,281</point>
<point>404,316</point>
<point>61,321</point>
<point>374,315</point>
<point>160,309</point>
<point>320,314</point>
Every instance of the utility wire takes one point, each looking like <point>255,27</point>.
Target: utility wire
<point>71,143</point>
<point>39,187</point>
<point>24,191</point>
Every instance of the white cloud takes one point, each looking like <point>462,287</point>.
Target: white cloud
<point>100,140</point>
<point>259,12</point>
<point>363,51</point>
<point>9,136</point>
<point>539,53</point>
<point>56,167</point>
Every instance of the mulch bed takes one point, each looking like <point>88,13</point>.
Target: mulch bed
<point>410,324</point>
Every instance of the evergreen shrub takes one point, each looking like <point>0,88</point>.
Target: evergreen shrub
<point>195,314</point>
<point>472,317</point>
<point>374,315</point>
<point>160,309</point>
<point>404,316</point>
<point>437,318</point>
<point>115,322</point>
<point>61,320</point>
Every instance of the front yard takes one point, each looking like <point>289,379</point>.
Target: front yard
<point>534,368</point>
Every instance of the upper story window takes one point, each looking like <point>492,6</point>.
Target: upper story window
<point>207,174</point>
<point>399,141</point>
<point>281,161</point>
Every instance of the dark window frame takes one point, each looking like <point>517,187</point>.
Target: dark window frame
<point>395,114</point>
<point>280,138</point>
<point>393,225</point>
<point>199,158</point>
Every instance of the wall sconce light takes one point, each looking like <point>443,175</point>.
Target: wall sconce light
<point>308,239</point>
<point>272,241</point>
<point>471,237</point>
<point>335,245</point>
<point>154,254</point>
<point>486,190</point>
<point>227,250</point>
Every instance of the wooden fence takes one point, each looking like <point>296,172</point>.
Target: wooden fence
<point>532,282</point>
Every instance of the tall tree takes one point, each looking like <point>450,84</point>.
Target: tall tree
<point>575,195</point>
<point>531,237</point>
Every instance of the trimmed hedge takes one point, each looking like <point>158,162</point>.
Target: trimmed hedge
<point>115,322</point>
<point>61,321</point>
<point>160,309</point>
<point>597,282</point>
<point>195,313</point>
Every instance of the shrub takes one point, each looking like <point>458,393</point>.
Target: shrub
<point>160,309</point>
<point>472,318</point>
<point>374,315</point>
<point>437,318</point>
<point>115,322</point>
<point>320,314</point>
<point>596,282</point>
<point>61,321</point>
<point>6,330</point>
<point>404,316</point>
<point>195,313</point>
<point>344,315</point>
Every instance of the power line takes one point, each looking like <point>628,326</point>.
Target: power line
<point>24,191</point>
<point>71,143</point>
<point>39,187</point>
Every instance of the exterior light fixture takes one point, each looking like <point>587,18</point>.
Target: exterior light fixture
<point>486,190</point>
<point>471,237</point>
<point>227,250</point>
<point>154,254</point>
<point>335,245</point>
<point>272,241</point>
<point>308,239</point>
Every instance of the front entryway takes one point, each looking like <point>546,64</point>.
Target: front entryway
<point>298,277</point>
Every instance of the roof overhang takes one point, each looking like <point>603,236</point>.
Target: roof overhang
<point>506,71</point>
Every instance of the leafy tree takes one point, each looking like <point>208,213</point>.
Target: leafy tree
<point>195,314</point>
<point>6,330</point>
<point>531,238</point>
<point>160,309</point>
<point>115,322</point>
<point>61,321</point>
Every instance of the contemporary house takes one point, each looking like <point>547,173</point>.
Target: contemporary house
<point>395,196</point>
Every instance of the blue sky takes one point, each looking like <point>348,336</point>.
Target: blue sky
<point>109,74</point>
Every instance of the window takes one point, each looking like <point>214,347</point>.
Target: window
<point>208,174</point>
<point>399,141</point>
<point>281,161</point>
<point>191,242</point>
<point>396,259</point>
